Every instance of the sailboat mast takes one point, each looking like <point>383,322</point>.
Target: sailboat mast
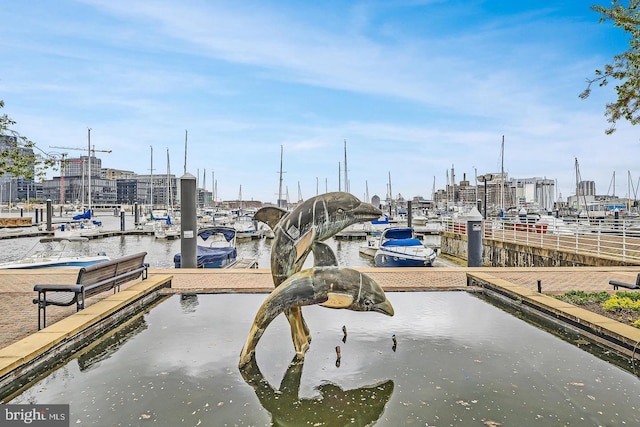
<point>89,166</point>
<point>169,204</point>
<point>584,193</point>
<point>185,151</point>
<point>502,175</point>
<point>346,179</point>
<point>151,179</point>
<point>280,182</point>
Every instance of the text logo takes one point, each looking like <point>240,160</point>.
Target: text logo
<point>34,415</point>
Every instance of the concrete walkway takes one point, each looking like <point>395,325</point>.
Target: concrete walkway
<point>19,317</point>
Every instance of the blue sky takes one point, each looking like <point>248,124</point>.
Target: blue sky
<point>414,87</point>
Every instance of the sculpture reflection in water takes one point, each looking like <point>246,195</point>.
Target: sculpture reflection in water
<point>334,407</point>
<point>300,232</point>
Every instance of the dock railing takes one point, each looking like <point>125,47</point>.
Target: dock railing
<point>618,239</point>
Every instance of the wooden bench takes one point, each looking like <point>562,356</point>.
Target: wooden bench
<point>617,283</point>
<point>92,280</point>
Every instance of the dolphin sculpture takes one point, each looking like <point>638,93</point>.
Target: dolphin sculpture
<point>301,231</point>
<point>330,287</point>
<point>334,406</point>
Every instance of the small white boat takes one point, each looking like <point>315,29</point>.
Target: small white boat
<point>246,227</point>
<point>399,247</point>
<point>81,228</point>
<point>164,228</point>
<point>57,252</point>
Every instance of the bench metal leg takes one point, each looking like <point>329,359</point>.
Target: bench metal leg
<point>42,307</point>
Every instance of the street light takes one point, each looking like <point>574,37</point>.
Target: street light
<point>484,178</point>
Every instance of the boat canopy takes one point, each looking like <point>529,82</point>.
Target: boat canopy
<point>167,219</point>
<point>86,215</point>
<point>228,232</point>
<point>398,233</point>
<point>384,219</point>
<point>399,236</point>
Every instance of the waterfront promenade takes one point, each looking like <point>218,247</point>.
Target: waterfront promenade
<point>19,314</point>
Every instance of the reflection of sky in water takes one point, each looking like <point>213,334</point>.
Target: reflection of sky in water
<point>459,361</point>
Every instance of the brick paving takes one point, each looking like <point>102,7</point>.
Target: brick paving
<point>19,314</point>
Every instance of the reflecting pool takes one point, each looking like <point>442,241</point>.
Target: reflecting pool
<point>457,361</point>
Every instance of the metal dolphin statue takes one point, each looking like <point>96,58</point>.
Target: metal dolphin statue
<point>331,287</point>
<point>301,231</point>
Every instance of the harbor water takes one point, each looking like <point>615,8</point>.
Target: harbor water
<point>160,252</point>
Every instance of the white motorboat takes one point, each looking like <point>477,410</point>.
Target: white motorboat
<point>246,227</point>
<point>57,252</point>
<point>165,228</point>
<point>399,247</point>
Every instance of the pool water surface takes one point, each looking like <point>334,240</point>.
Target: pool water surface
<point>458,361</point>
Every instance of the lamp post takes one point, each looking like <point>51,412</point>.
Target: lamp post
<point>484,178</point>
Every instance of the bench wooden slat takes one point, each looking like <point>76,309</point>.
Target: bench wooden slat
<point>92,280</point>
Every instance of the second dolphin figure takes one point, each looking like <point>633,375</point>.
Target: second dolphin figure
<point>331,287</point>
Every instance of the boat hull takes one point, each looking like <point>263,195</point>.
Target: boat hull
<point>210,257</point>
<point>391,259</point>
<point>398,247</point>
<point>59,263</point>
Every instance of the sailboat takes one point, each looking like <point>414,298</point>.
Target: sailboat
<point>244,224</point>
<point>167,227</point>
<point>82,224</point>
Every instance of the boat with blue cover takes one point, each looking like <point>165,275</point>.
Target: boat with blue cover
<point>399,247</point>
<point>221,252</point>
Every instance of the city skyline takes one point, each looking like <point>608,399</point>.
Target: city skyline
<point>414,88</point>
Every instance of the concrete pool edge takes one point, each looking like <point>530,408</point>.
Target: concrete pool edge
<point>617,336</point>
<point>21,360</point>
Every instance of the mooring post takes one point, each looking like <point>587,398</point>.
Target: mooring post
<point>136,214</point>
<point>474,238</point>
<point>188,221</point>
<point>539,286</point>
<point>122,219</point>
<point>49,214</point>
<point>409,213</point>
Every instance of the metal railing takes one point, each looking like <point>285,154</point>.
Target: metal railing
<point>618,239</point>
